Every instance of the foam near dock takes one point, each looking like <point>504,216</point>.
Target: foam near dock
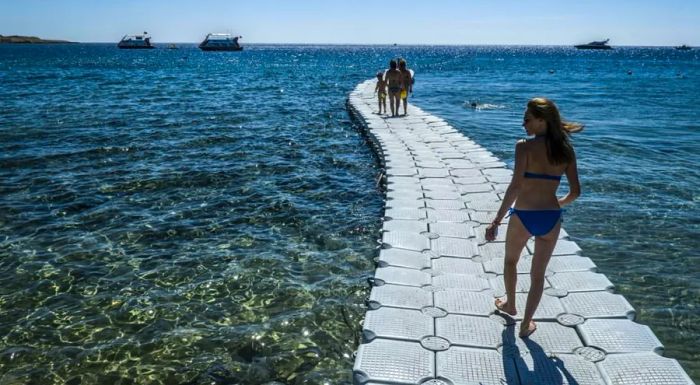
<point>431,317</point>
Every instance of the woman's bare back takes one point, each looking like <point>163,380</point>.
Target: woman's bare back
<point>539,193</point>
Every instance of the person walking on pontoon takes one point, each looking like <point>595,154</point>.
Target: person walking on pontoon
<point>394,82</point>
<point>406,85</point>
<point>539,164</point>
<point>380,90</point>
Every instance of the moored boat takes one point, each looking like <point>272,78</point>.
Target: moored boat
<point>595,45</point>
<point>220,42</point>
<point>136,42</point>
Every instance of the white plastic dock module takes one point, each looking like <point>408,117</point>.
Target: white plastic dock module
<point>431,318</point>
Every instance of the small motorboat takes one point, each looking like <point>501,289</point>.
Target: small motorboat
<point>595,45</point>
<point>221,42</point>
<point>683,47</point>
<point>136,42</point>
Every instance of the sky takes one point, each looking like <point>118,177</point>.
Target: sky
<point>452,22</point>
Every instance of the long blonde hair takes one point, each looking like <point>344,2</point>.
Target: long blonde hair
<point>559,149</point>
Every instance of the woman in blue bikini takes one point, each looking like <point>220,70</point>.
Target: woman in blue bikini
<point>539,164</point>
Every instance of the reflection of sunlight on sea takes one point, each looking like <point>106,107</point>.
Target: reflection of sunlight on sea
<point>173,216</point>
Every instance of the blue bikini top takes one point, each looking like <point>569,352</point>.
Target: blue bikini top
<point>542,176</point>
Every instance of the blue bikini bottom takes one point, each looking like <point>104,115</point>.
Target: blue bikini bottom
<point>538,222</point>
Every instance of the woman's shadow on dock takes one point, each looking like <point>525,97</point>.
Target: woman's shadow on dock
<point>533,366</point>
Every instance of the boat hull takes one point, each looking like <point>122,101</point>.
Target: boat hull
<point>586,46</point>
<point>220,48</point>
<point>135,47</point>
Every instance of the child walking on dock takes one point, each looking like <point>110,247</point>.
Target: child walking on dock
<point>380,90</point>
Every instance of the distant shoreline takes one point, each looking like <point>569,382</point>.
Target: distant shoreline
<point>16,39</point>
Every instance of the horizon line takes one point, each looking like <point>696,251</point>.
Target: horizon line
<point>356,44</point>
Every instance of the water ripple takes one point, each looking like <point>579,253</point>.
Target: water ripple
<point>179,217</point>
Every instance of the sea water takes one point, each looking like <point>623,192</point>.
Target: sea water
<point>181,217</point>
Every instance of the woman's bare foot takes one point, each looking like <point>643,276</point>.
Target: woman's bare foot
<point>527,330</point>
<point>505,307</point>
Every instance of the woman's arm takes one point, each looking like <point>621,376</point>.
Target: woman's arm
<point>574,185</point>
<point>512,190</point>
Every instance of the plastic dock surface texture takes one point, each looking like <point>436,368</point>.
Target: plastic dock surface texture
<point>431,317</point>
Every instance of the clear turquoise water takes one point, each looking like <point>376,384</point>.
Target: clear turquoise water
<point>181,217</point>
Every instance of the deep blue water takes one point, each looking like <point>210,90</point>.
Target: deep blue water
<point>180,217</point>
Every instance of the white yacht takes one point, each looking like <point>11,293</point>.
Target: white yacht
<point>220,42</point>
<point>595,45</point>
<point>136,42</point>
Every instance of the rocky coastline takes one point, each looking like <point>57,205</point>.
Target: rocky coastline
<point>16,39</point>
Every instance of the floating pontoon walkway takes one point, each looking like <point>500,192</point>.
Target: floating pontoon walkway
<point>431,315</point>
